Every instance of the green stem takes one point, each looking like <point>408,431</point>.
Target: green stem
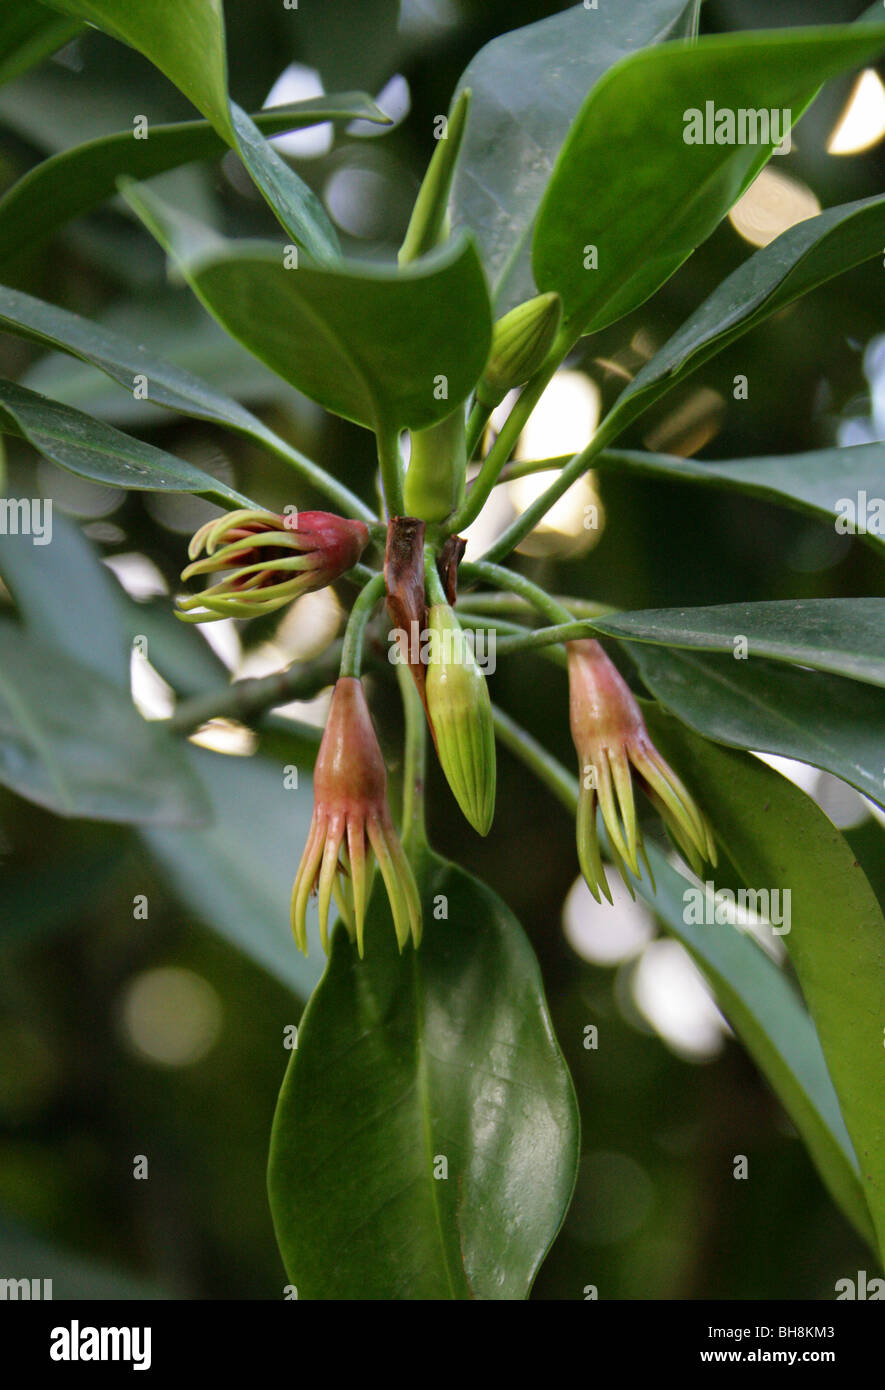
<point>414,767</point>
<point>352,649</point>
<point>512,603</point>
<point>506,630</point>
<point>545,767</point>
<point>511,430</point>
<point>346,501</point>
<point>501,578</point>
<point>391,462</point>
<point>476,424</point>
<point>432,582</point>
<point>546,637</point>
<point>520,528</point>
<point>501,450</point>
<point>247,699</point>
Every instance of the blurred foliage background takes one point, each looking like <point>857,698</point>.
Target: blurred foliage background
<point>158,1030</point>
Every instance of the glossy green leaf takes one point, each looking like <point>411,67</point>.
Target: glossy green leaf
<point>72,741</point>
<point>181,338</point>
<point>95,450</point>
<point>236,874</point>
<point>845,636</point>
<point>123,360</point>
<point>831,723</point>
<point>29,32</point>
<point>185,40</point>
<point>796,262</point>
<point>771,1022</point>
<point>824,482</point>
<point>77,180</point>
<point>528,87</point>
<point>627,183</point>
<point>777,838</point>
<point>376,344</point>
<point>444,1053</point>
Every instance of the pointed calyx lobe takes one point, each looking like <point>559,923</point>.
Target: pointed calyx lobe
<point>352,828</point>
<point>611,741</point>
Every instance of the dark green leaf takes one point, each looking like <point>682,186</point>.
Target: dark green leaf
<point>122,359</point>
<point>236,875</point>
<point>73,742</point>
<point>185,40</point>
<point>67,597</point>
<point>845,636</point>
<point>799,260</point>
<point>77,180</point>
<point>777,838</point>
<point>626,151</point>
<point>831,723</point>
<point>442,1053</point>
<point>98,451</point>
<point>29,32</point>
<point>528,87</point>
<point>824,482</point>
<point>369,342</point>
<point>768,1017</point>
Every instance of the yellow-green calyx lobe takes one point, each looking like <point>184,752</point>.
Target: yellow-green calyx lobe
<point>437,473</point>
<point>521,341</point>
<point>461,717</point>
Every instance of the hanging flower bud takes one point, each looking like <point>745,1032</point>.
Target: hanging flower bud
<point>521,341</point>
<point>352,828</point>
<point>461,717</point>
<point>268,561</point>
<point>609,734</point>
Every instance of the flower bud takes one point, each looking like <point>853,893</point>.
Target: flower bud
<point>521,341</point>
<point>352,823</point>
<point>610,737</point>
<point>268,561</point>
<point>461,717</point>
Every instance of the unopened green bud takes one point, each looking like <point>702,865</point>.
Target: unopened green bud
<point>437,471</point>
<point>461,717</point>
<point>521,341</point>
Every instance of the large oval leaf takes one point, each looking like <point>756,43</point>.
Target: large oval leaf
<point>819,482</point>
<point>845,636</point>
<point>426,1138</point>
<point>95,450</point>
<point>799,260</point>
<point>777,838</point>
<point>834,724</point>
<point>626,181</point>
<point>768,1016</point>
<point>381,345</point>
<point>528,87</point>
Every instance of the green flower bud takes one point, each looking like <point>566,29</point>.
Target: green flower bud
<point>461,717</point>
<point>521,341</point>
<point>437,473</point>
